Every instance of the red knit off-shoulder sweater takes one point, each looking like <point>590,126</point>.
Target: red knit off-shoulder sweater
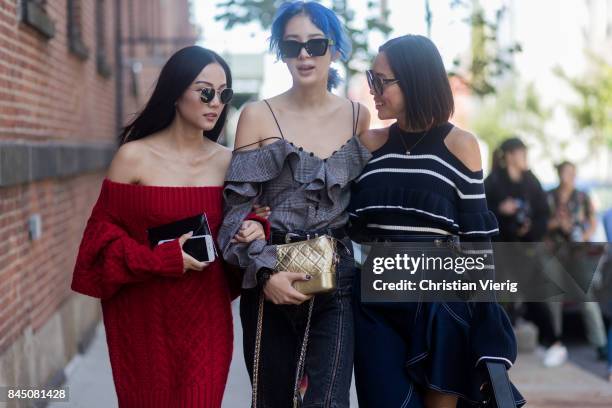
<point>169,333</point>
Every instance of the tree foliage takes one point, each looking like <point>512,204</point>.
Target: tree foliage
<point>237,12</point>
<point>488,60</point>
<point>592,113</point>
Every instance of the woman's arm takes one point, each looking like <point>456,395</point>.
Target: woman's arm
<point>109,258</point>
<point>239,197</point>
<point>591,226</point>
<point>251,126</point>
<point>476,223</point>
<point>363,123</point>
<point>464,146</point>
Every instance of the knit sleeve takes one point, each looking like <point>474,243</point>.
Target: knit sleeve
<point>476,222</point>
<point>109,258</point>
<point>477,225</point>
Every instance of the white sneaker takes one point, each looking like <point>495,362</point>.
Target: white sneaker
<point>555,356</point>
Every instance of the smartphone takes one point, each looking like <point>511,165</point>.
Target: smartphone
<point>201,247</point>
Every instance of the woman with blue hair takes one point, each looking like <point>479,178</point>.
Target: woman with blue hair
<point>297,152</point>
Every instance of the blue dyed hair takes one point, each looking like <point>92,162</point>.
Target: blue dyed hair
<point>325,20</point>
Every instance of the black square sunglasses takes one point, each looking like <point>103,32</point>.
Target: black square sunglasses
<point>377,84</point>
<point>315,47</point>
<point>208,94</point>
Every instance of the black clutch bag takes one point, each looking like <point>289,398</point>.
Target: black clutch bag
<point>201,245</point>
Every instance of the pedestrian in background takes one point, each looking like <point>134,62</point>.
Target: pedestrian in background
<point>573,220</point>
<point>516,197</point>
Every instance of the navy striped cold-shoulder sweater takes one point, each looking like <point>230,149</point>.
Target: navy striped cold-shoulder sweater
<point>429,191</point>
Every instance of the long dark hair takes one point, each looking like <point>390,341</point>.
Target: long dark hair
<point>417,64</point>
<point>176,76</point>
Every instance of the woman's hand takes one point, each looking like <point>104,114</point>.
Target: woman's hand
<point>261,211</point>
<point>280,291</point>
<point>249,231</point>
<point>508,207</point>
<point>189,262</point>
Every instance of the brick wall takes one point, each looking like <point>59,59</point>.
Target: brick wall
<point>58,124</point>
<point>46,91</point>
<point>143,23</point>
<point>35,275</point>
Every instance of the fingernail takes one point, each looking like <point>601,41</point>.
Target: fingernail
<point>308,277</point>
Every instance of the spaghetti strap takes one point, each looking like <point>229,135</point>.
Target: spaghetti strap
<point>276,120</point>
<point>355,121</point>
<point>259,141</point>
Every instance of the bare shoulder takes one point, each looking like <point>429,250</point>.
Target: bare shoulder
<point>253,126</point>
<point>374,139</point>
<point>128,161</point>
<point>464,145</point>
<point>363,121</point>
<point>223,155</point>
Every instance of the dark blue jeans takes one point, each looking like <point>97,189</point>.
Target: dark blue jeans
<point>610,340</point>
<point>329,357</point>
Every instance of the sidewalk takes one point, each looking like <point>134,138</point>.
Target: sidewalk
<point>568,386</point>
<point>91,385</point>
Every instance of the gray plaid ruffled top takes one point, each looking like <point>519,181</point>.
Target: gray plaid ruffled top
<point>304,191</point>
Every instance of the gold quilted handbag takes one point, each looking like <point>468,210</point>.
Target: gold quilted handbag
<point>316,257</point>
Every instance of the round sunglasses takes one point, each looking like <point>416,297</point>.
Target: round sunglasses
<point>377,84</point>
<point>315,47</point>
<point>208,94</point>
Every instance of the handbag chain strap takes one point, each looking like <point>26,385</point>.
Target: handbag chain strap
<point>257,350</point>
<point>299,372</point>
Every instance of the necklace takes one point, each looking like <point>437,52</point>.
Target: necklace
<point>414,145</point>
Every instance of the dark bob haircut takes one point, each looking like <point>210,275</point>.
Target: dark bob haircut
<point>509,145</point>
<point>176,76</point>
<point>417,64</point>
<point>512,144</point>
<point>565,163</point>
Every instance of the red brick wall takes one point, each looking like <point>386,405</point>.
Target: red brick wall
<point>152,19</point>
<point>35,275</point>
<point>48,94</point>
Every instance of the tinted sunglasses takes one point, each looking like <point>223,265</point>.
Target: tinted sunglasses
<point>208,94</point>
<point>377,84</point>
<point>316,47</point>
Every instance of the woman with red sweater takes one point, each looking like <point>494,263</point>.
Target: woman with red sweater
<point>167,316</point>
